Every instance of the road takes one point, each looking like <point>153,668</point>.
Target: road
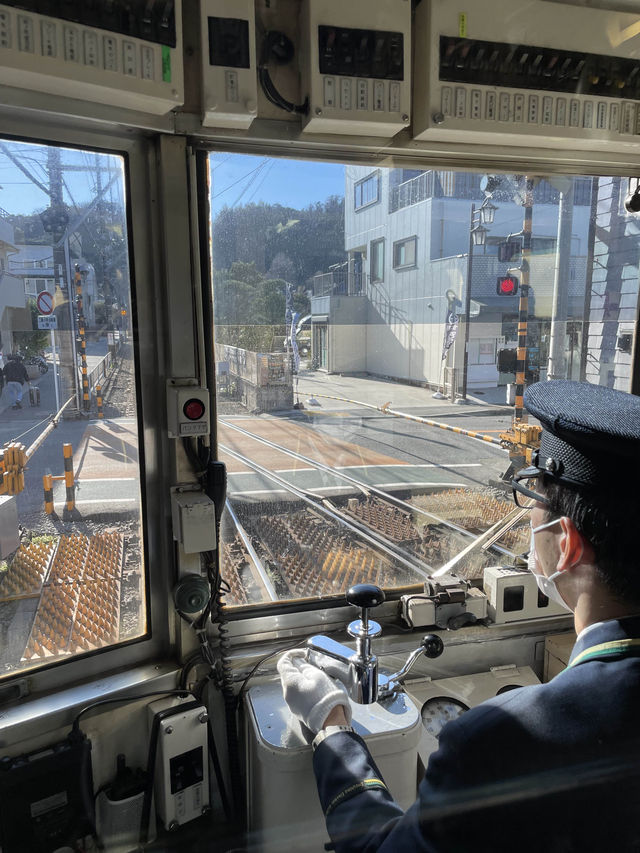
<point>105,453</point>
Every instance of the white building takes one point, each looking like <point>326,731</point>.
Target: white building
<point>14,315</point>
<point>34,265</point>
<point>407,239</point>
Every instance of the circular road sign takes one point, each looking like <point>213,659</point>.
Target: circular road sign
<point>45,302</point>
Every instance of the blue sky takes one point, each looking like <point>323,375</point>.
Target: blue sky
<point>239,179</point>
<point>19,194</point>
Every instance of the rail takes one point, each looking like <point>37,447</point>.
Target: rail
<point>365,488</point>
<point>377,542</point>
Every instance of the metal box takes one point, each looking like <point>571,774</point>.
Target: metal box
<point>283,807</point>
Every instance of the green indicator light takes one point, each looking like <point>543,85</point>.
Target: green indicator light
<point>166,64</point>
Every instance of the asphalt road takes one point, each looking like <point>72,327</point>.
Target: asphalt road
<point>97,494</point>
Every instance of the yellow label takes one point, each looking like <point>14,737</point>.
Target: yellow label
<point>462,25</point>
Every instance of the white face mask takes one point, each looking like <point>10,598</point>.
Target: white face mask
<point>546,585</point>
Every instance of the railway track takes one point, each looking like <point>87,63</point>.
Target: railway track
<point>373,537</point>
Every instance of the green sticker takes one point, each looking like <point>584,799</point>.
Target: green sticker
<point>462,25</point>
<point>166,64</point>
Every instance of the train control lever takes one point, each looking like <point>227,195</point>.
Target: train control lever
<point>358,670</point>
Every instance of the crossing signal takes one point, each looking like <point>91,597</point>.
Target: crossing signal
<point>507,285</point>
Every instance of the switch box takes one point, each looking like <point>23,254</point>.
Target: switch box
<point>229,74</point>
<point>513,595</point>
<point>355,64</point>
<point>527,72</point>
<point>95,52</point>
<point>187,411</point>
<point>181,784</point>
<point>194,521</point>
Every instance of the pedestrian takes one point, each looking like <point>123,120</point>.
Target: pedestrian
<point>15,375</point>
<point>550,767</point>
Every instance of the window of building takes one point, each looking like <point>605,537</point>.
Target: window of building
<point>404,253</point>
<point>377,260</point>
<point>367,191</point>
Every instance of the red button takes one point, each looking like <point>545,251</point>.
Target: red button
<point>193,409</point>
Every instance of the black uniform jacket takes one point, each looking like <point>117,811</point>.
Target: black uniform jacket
<point>552,768</point>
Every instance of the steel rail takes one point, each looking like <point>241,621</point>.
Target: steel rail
<point>369,536</point>
<point>269,589</point>
<point>398,502</point>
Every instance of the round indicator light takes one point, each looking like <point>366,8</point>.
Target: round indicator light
<point>193,409</point>
<point>507,286</point>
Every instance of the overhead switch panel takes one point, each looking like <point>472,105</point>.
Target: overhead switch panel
<point>120,59</point>
<point>357,78</point>
<point>229,74</point>
<point>527,72</point>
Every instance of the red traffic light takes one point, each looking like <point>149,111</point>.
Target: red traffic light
<point>193,409</point>
<point>507,285</point>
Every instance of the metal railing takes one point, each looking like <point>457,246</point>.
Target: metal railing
<point>339,282</point>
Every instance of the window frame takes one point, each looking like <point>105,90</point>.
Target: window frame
<point>156,545</point>
<point>375,175</point>
<point>373,246</point>
<point>413,265</point>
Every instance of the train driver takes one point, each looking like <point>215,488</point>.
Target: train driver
<point>549,767</point>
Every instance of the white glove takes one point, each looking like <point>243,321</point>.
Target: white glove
<point>308,691</point>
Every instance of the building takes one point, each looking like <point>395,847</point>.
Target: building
<point>14,315</point>
<point>34,265</point>
<point>407,236</point>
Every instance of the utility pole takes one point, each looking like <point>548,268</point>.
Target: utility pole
<point>55,220</point>
<point>559,310</point>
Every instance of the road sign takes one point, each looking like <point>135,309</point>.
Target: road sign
<point>47,322</point>
<point>45,304</point>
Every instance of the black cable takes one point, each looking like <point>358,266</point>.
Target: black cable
<point>259,664</point>
<point>276,45</point>
<point>75,726</point>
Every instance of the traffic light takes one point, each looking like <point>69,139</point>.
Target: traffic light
<point>507,285</point>
<point>509,249</point>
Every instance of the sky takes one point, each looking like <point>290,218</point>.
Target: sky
<point>20,194</point>
<point>239,179</point>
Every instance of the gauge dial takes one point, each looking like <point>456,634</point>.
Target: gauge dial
<point>438,711</point>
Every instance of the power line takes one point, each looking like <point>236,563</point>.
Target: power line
<point>259,166</point>
<point>250,183</point>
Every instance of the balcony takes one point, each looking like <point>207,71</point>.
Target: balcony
<point>340,282</point>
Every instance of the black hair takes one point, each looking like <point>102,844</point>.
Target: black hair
<point>608,519</point>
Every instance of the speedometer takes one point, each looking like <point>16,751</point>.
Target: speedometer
<point>438,711</point>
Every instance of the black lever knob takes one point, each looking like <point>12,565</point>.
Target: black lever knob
<point>432,645</point>
<point>365,595</point>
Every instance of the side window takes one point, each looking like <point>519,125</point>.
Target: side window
<point>404,253</point>
<point>72,572</point>
<point>377,260</point>
<point>367,191</point>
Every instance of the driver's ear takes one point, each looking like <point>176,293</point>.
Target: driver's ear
<point>574,547</point>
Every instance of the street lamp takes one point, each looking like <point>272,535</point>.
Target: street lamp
<point>484,215</point>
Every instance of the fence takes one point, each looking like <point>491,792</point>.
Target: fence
<point>336,282</point>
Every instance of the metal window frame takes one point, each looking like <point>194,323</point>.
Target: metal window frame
<point>375,243</point>
<point>375,175</point>
<point>413,239</point>
<point>141,176</point>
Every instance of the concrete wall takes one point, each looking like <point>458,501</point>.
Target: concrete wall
<point>347,330</point>
<point>612,301</point>
<point>408,308</point>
